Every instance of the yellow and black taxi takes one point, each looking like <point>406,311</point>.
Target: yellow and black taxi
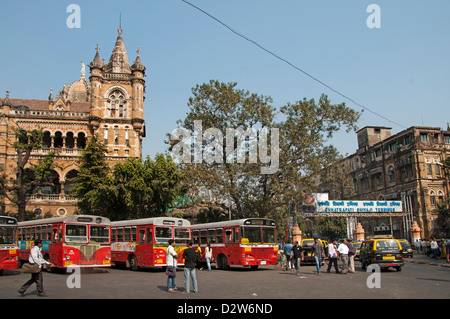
<point>308,255</point>
<point>407,250</point>
<point>385,252</point>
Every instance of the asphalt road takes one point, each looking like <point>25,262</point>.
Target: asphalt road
<point>416,281</point>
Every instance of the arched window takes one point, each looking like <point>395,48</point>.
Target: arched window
<point>46,140</point>
<point>117,104</point>
<point>432,198</point>
<point>58,141</point>
<point>81,141</point>
<point>70,141</point>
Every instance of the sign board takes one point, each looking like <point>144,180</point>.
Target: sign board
<point>353,208</point>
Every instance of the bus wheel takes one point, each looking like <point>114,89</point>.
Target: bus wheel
<point>132,261</point>
<point>222,262</point>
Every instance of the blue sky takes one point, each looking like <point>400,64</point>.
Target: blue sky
<point>400,70</point>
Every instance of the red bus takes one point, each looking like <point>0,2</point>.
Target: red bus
<point>8,243</point>
<point>248,242</point>
<point>143,242</point>
<point>76,240</point>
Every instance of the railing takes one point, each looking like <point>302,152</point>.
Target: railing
<point>51,197</point>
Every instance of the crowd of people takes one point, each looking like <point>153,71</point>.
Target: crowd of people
<point>340,255</point>
<point>434,249</point>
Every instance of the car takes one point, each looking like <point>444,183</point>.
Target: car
<point>308,256</point>
<point>385,252</point>
<point>407,251</point>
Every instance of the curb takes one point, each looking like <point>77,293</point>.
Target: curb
<point>428,263</point>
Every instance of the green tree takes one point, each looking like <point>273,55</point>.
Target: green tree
<point>93,179</point>
<point>28,177</point>
<point>304,134</point>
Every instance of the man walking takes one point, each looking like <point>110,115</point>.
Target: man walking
<point>332,256</point>
<point>343,255</point>
<point>36,258</point>
<point>297,256</point>
<point>171,260</point>
<point>287,252</point>
<point>319,253</point>
<point>351,256</point>
<point>189,269</point>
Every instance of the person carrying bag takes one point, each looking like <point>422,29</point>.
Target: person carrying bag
<point>34,267</point>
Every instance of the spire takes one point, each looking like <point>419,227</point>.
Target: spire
<point>118,63</point>
<point>97,63</point>
<point>6,101</point>
<point>137,64</point>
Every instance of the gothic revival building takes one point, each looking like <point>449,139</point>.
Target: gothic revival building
<point>110,104</point>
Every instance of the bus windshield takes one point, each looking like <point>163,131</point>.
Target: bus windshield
<point>182,235</point>
<point>253,234</point>
<point>163,234</point>
<point>7,235</point>
<point>76,234</point>
<point>99,234</point>
<point>268,235</point>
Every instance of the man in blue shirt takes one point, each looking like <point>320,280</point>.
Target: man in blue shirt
<point>287,252</point>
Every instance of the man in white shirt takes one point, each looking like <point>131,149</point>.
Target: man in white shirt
<point>171,261</point>
<point>343,255</point>
<point>332,256</point>
<point>36,258</point>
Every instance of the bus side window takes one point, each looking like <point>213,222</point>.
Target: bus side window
<point>49,232</point>
<point>149,236</point>
<point>236,235</point>
<point>203,236</point>
<point>113,234</point>
<point>54,235</point>
<point>60,235</point>
<point>219,234</point>
<point>211,236</point>
<point>228,236</point>
<point>141,236</point>
<point>195,237</point>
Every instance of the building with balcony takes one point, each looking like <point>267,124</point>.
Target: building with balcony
<point>406,166</point>
<point>110,103</point>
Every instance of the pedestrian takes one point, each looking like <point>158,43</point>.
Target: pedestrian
<point>319,253</point>
<point>447,246</point>
<point>287,253</point>
<point>332,256</point>
<point>297,257</point>
<point>423,245</point>
<point>198,260</point>
<point>36,258</point>
<point>208,255</point>
<point>189,256</point>
<point>351,256</point>
<point>417,245</point>
<point>343,255</point>
<point>171,261</point>
<point>434,249</point>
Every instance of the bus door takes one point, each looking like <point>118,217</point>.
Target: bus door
<point>144,250</point>
<point>55,248</point>
<point>233,246</point>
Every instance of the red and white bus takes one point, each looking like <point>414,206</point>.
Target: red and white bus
<point>8,243</point>
<point>75,240</point>
<point>246,242</point>
<point>143,242</point>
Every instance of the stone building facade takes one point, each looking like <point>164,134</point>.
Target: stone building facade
<point>406,166</point>
<point>110,103</point>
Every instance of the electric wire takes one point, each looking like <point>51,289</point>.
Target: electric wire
<point>291,64</point>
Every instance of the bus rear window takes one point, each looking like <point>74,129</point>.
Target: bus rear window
<point>387,245</point>
<point>182,235</point>
<point>163,234</point>
<point>7,235</point>
<point>99,234</point>
<point>76,234</point>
